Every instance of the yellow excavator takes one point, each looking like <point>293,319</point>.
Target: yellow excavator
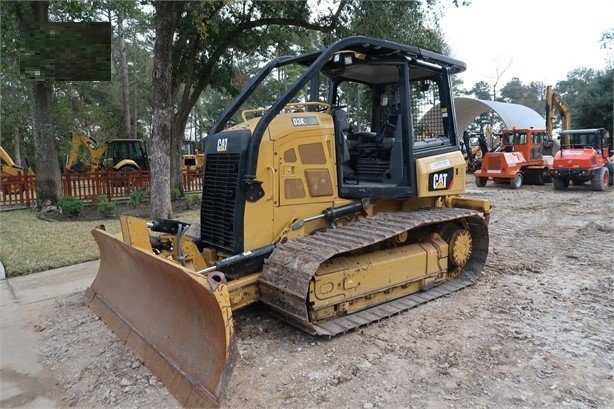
<point>87,154</point>
<point>13,173</point>
<point>555,104</point>
<point>192,159</point>
<point>326,206</point>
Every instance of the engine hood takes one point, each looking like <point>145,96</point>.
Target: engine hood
<point>575,158</point>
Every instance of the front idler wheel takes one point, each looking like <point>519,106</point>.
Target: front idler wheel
<point>460,245</point>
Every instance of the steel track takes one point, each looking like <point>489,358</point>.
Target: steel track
<point>287,273</point>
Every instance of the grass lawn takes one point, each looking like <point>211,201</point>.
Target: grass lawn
<point>29,244</point>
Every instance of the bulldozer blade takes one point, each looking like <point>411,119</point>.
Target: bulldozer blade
<point>178,323</point>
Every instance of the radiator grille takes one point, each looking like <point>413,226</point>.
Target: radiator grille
<point>217,213</point>
<point>494,162</point>
<point>371,167</point>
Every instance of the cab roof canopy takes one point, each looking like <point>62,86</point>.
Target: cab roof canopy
<point>583,131</point>
<point>373,49</point>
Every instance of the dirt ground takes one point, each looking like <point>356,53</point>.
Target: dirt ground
<point>536,330</point>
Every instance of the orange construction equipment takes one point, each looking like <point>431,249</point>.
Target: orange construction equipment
<point>520,160</point>
<point>585,156</point>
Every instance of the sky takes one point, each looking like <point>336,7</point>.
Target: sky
<point>534,40</point>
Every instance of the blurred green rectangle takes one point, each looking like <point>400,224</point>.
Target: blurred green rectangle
<point>66,52</point>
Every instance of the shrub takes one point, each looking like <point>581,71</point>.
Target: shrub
<point>136,197</point>
<point>105,206</point>
<point>176,193</point>
<point>191,201</point>
<point>70,205</point>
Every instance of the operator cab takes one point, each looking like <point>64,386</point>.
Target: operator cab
<point>119,150</point>
<point>584,138</point>
<point>528,141</point>
<point>388,111</point>
<point>598,139</point>
<point>391,105</point>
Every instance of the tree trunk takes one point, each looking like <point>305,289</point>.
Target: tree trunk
<point>167,17</point>
<point>135,116</point>
<point>193,86</point>
<point>179,124</point>
<point>48,176</point>
<point>123,72</point>
<point>17,147</point>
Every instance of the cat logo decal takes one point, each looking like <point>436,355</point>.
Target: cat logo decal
<point>441,180</point>
<point>222,145</point>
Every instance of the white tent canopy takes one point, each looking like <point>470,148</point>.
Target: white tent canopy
<point>512,115</point>
<point>468,109</point>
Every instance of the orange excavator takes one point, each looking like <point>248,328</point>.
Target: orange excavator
<point>331,222</point>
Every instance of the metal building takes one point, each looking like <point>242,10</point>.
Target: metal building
<point>512,115</point>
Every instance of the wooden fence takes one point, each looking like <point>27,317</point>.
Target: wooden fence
<point>88,186</point>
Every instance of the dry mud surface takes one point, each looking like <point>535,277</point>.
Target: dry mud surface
<point>536,330</point>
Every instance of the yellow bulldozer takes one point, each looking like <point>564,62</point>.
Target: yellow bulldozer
<point>325,206</point>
